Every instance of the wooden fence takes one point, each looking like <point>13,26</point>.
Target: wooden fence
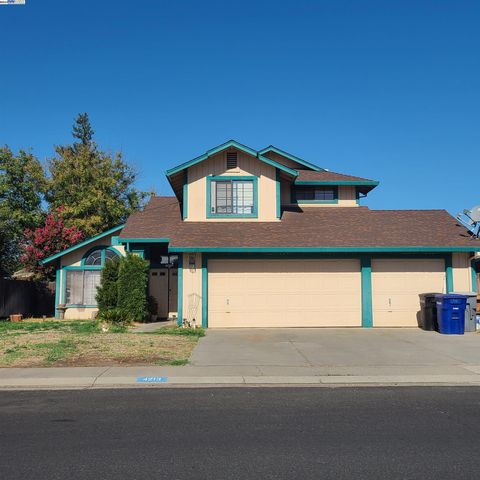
<point>31,299</point>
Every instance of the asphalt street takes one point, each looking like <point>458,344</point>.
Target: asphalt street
<point>241,433</point>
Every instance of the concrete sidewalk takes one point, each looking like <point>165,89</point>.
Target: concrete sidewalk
<point>127,377</point>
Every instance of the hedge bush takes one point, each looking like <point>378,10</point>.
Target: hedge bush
<point>132,283</point>
<point>107,295</point>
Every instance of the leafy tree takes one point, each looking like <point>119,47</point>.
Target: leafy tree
<point>44,241</point>
<point>22,186</point>
<point>132,287</point>
<point>107,295</point>
<point>95,188</point>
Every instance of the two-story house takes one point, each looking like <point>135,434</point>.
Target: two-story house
<point>266,239</point>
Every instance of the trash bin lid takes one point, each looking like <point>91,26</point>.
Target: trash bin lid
<point>468,294</point>
<point>450,295</point>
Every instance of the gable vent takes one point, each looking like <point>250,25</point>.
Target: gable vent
<point>231,160</point>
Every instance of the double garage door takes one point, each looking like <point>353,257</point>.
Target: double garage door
<point>317,293</point>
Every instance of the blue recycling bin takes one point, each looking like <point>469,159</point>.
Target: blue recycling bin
<point>451,313</point>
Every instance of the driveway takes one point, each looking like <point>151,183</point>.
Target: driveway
<point>297,351</point>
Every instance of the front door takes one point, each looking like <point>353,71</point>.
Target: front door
<point>158,289</point>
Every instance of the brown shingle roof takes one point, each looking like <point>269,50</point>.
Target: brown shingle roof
<point>306,227</point>
<point>326,176</point>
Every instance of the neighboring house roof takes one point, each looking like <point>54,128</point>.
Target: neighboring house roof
<point>224,146</point>
<point>334,229</point>
<point>82,244</point>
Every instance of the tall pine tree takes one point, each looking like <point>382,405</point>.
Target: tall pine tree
<point>95,189</point>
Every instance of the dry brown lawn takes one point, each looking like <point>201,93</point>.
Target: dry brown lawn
<point>64,346</point>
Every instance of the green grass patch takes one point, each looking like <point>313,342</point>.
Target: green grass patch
<point>188,332</point>
<point>74,326</point>
<point>178,362</point>
<point>57,350</point>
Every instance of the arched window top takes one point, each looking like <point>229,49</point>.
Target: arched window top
<point>98,256</point>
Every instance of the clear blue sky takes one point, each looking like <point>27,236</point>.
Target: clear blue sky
<point>388,90</point>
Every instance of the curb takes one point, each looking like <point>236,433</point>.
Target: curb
<point>61,383</point>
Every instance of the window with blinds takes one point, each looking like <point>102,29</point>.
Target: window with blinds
<point>232,197</point>
<point>315,193</point>
<point>81,287</point>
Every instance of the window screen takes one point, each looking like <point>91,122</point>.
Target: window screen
<point>315,193</point>
<point>232,197</point>
<point>81,287</point>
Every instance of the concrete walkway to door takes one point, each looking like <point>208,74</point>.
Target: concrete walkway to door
<point>331,351</point>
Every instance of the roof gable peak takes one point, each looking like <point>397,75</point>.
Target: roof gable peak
<point>238,146</point>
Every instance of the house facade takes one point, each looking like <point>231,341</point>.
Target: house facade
<point>266,239</point>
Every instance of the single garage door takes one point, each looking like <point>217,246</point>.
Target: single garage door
<point>284,293</point>
<point>396,285</point>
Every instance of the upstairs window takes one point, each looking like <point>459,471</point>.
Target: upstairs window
<point>231,160</point>
<point>232,197</point>
<point>315,193</point>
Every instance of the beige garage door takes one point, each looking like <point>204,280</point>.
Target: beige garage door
<point>284,293</point>
<point>396,285</point>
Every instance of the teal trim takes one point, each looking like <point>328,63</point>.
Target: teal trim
<point>473,271</point>
<point>279,206</point>
<point>114,241</point>
<point>285,154</point>
<point>58,271</point>
<point>223,146</point>
<point>180,291</point>
<point>174,249</point>
<point>293,197</point>
<point>449,273</point>
<point>245,178</point>
<point>81,244</point>
<point>275,164</point>
<point>83,267</point>
<point>144,240</point>
<point>204,291</point>
<point>336,182</point>
<point>366,275</point>
<point>185,194</point>
<point>81,306</point>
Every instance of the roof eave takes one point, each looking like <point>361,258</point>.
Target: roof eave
<point>81,244</point>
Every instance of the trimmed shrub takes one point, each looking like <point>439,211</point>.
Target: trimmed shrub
<point>132,287</point>
<point>107,295</point>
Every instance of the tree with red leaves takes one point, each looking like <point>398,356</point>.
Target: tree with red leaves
<point>44,241</point>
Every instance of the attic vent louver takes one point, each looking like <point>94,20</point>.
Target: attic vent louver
<point>231,160</point>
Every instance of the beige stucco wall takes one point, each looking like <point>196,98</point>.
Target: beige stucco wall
<point>346,197</point>
<point>216,166</point>
<point>74,259</point>
<point>192,289</point>
<point>462,274</point>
